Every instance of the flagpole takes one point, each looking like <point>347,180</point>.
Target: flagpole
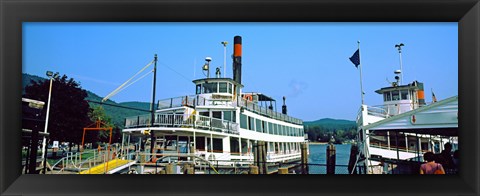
<point>361,85</point>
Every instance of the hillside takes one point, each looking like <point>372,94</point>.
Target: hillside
<point>329,123</point>
<point>321,130</point>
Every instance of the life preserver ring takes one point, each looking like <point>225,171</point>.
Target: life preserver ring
<point>248,97</point>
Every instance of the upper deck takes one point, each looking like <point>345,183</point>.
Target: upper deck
<point>194,101</point>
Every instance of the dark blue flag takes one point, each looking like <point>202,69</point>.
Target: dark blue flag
<point>356,58</point>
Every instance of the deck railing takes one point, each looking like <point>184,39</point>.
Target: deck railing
<point>183,121</point>
<point>195,100</point>
<point>253,107</point>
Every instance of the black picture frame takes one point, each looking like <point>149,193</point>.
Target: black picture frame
<point>13,13</point>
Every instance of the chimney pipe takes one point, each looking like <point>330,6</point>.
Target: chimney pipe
<point>284,107</point>
<point>237,59</point>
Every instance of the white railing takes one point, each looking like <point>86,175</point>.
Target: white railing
<point>189,100</point>
<point>195,100</point>
<point>183,121</point>
<point>253,107</point>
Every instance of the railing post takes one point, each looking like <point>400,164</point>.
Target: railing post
<point>171,102</point>
<point>138,121</point>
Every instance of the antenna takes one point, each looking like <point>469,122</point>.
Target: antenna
<point>399,47</point>
<point>224,43</point>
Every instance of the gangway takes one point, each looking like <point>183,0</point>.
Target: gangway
<point>109,167</point>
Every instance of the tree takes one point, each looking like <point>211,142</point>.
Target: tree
<point>68,108</point>
<point>98,113</point>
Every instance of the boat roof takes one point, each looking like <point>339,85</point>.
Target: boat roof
<point>217,80</point>
<point>439,118</point>
<point>261,97</point>
<point>410,86</point>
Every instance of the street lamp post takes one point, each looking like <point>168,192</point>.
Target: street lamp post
<point>52,76</point>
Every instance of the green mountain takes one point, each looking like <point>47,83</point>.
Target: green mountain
<point>330,123</point>
<point>321,130</point>
<point>118,114</point>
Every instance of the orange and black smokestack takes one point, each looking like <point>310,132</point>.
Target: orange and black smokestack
<point>237,59</point>
<point>420,93</point>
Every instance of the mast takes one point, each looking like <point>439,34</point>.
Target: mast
<point>152,137</point>
<point>399,47</point>
<point>361,85</point>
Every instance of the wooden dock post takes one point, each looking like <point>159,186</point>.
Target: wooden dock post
<point>253,169</point>
<point>261,157</point>
<point>282,170</point>
<point>304,154</point>
<point>169,168</point>
<point>255,154</point>
<point>191,170</point>
<point>331,159</point>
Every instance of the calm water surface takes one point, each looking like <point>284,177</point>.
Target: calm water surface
<point>318,153</point>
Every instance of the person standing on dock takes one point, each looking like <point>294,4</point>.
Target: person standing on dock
<point>430,167</point>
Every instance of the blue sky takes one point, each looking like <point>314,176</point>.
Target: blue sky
<point>306,62</point>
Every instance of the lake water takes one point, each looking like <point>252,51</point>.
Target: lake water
<point>318,155</point>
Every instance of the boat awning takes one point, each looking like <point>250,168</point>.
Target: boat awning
<point>440,118</point>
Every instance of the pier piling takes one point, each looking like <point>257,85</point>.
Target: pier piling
<point>253,169</point>
<point>304,158</point>
<point>169,168</point>
<point>331,159</point>
<point>282,170</point>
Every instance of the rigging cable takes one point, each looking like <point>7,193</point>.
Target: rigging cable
<point>121,87</point>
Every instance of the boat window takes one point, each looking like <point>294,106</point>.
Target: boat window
<point>259,125</point>
<point>244,146</point>
<point>217,145</point>
<point>243,121</point>
<point>395,96</point>
<point>404,94</point>
<point>234,146</point>
<point>204,114</point>
<point>222,87</point>
<point>210,87</point>
<point>230,87</point>
<point>199,89</point>
<point>171,142</point>
<point>200,143</point>
<point>270,128</point>
<point>251,123</point>
<point>387,96</point>
<point>234,116</point>
<point>227,115</point>
<point>217,114</point>
<point>264,127</point>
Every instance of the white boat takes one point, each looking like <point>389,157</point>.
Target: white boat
<point>393,137</point>
<point>219,123</point>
